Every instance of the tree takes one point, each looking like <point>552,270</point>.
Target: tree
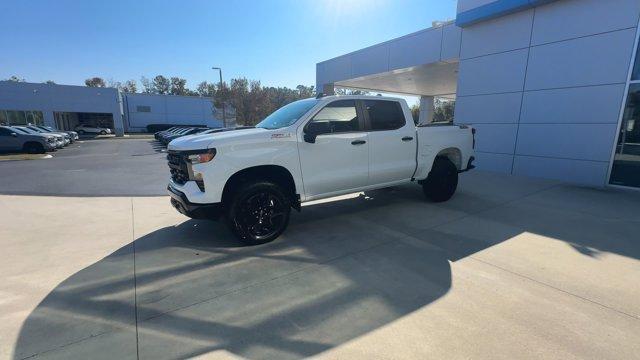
<point>206,89</point>
<point>443,110</point>
<point>178,86</point>
<point>130,86</point>
<point>305,91</point>
<point>147,86</point>
<point>415,113</point>
<point>95,82</point>
<point>161,85</point>
<point>15,79</point>
<point>345,91</point>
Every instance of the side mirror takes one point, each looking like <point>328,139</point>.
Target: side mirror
<point>14,134</point>
<point>314,129</point>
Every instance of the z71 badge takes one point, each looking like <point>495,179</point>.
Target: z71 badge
<point>280,135</point>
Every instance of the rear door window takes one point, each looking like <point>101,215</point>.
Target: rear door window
<point>384,114</point>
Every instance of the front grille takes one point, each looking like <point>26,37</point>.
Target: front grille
<point>178,167</point>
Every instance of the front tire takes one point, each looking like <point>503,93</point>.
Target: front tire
<point>442,181</point>
<point>258,212</point>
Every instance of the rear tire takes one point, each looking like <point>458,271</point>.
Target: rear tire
<point>258,212</point>
<point>34,148</point>
<point>442,181</point>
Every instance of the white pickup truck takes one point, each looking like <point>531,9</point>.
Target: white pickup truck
<point>312,149</point>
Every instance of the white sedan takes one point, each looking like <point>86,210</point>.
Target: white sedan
<point>85,129</point>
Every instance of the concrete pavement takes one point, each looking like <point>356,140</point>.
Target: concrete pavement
<point>510,267</point>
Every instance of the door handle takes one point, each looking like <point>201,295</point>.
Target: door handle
<point>407,138</point>
<point>358,142</point>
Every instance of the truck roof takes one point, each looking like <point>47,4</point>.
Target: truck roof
<point>361,97</point>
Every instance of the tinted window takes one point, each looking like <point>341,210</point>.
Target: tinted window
<point>339,116</point>
<point>384,115</point>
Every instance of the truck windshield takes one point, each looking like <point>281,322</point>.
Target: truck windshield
<point>287,114</point>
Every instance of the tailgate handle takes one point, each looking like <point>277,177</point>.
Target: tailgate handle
<point>358,142</point>
<point>407,138</point>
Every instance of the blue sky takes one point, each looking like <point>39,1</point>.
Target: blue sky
<point>275,41</point>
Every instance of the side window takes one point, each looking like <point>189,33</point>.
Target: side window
<point>384,115</point>
<point>337,117</point>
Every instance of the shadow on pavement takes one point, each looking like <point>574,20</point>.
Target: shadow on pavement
<point>343,269</point>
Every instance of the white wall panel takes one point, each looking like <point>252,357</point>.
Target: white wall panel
<point>495,108</point>
<point>494,162</point>
<point>569,141</point>
<point>594,60</point>
<point>338,68</point>
<point>417,49</point>
<point>496,138</point>
<point>593,104</point>
<point>451,37</point>
<point>492,74</point>
<point>370,61</point>
<point>501,34</point>
<point>591,173</point>
<point>568,19</point>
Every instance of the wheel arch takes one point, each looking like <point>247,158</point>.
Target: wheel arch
<point>275,173</point>
<point>453,154</point>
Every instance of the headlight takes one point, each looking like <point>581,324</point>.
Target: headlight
<point>203,157</point>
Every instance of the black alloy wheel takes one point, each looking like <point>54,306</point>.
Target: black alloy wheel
<point>259,213</point>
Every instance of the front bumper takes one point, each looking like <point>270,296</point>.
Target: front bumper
<point>193,210</point>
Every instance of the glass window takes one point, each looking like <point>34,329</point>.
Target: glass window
<point>287,114</point>
<point>16,117</point>
<point>339,116</point>
<point>626,163</point>
<point>3,117</point>
<point>384,115</point>
<point>38,117</point>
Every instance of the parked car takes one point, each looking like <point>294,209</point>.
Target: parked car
<point>86,129</point>
<point>15,140</point>
<point>312,149</point>
<point>158,134</point>
<point>67,137</point>
<point>60,143</point>
<point>72,134</point>
<point>166,138</point>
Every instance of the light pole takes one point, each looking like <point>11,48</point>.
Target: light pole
<point>224,115</point>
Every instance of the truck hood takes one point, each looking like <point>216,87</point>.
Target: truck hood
<point>204,141</point>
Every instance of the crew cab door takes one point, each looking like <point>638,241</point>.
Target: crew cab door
<point>334,150</point>
<point>392,150</point>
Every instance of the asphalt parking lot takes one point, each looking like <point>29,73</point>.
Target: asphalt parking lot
<point>91,167</point>
<point>509,268</point>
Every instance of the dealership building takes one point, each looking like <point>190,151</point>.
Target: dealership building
<point>550,85</point>
<point>65,107</point>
